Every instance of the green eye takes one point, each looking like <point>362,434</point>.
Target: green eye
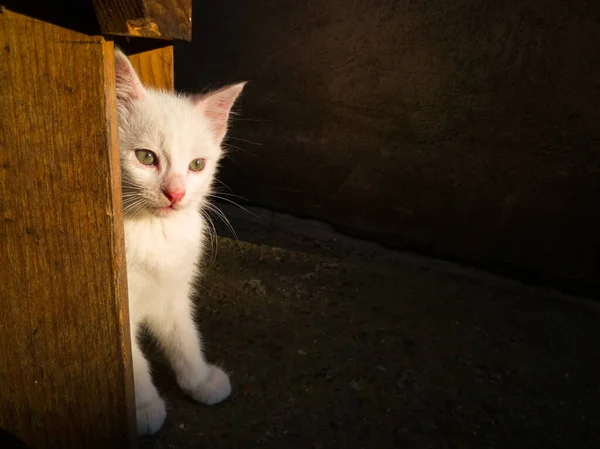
<point>197,164</point>
<point>146,157</point>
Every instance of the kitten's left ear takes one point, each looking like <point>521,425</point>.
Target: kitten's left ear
<point>217,106</point>
<point>129,86</point>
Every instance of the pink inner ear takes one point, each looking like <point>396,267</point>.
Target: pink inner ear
<point>217,107</point>
<point>129,86</point>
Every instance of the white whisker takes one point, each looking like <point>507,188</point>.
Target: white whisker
<point>234,203</point>
<point>243,150</point>
<point>223,184</point>
<point>244,140</point>
<point>213,208</point>
<point>212,234</point>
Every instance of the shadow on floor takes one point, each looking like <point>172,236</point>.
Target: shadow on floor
<point>327,348</point>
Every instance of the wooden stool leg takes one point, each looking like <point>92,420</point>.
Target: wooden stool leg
<point>65,370</point>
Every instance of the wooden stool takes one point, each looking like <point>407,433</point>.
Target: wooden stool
<point>65,359</point>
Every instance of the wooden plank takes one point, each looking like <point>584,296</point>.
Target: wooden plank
<point>155,67</point>
<point>161,19</point>
<point>65,377</point>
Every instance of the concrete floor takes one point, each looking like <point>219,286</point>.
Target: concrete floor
<point>334,343</point>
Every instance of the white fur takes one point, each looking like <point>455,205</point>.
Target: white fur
<point>164,247</point>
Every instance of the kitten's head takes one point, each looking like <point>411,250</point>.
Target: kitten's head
<point>170,144</point>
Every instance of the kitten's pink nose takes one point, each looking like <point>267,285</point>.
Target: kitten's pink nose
<point>174,196</point>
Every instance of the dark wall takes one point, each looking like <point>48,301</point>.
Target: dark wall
<point>468,129</point>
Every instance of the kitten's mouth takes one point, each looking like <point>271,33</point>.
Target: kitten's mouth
<point>167,210</point>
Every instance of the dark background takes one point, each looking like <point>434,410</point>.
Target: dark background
<point>467,130</point>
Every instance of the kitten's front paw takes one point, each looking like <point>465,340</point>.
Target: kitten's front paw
<point>150,416</point>
<point>214,389</point>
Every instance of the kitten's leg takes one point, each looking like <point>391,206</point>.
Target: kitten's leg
<point>176,331</point>
<point>150,407</point>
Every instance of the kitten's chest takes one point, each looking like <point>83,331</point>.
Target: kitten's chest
<point>157,246</point>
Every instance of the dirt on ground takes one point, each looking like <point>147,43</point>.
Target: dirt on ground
<point>331,347</point>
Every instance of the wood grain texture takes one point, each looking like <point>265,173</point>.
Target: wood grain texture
<point>162,19</point>
<point>155,67</point>
<point>65,375</point>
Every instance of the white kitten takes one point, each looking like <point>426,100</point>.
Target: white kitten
<point>170,147</point>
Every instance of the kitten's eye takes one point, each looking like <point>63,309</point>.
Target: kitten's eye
<point>197,164</point>
<point>146,157</point>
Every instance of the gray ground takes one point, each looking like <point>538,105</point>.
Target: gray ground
<point>335,344</point>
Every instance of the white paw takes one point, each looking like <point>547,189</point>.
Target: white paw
<point>150,416</point>
<point>214,389</point>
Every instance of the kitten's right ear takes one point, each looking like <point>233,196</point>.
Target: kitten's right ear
<point>129,86</point>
